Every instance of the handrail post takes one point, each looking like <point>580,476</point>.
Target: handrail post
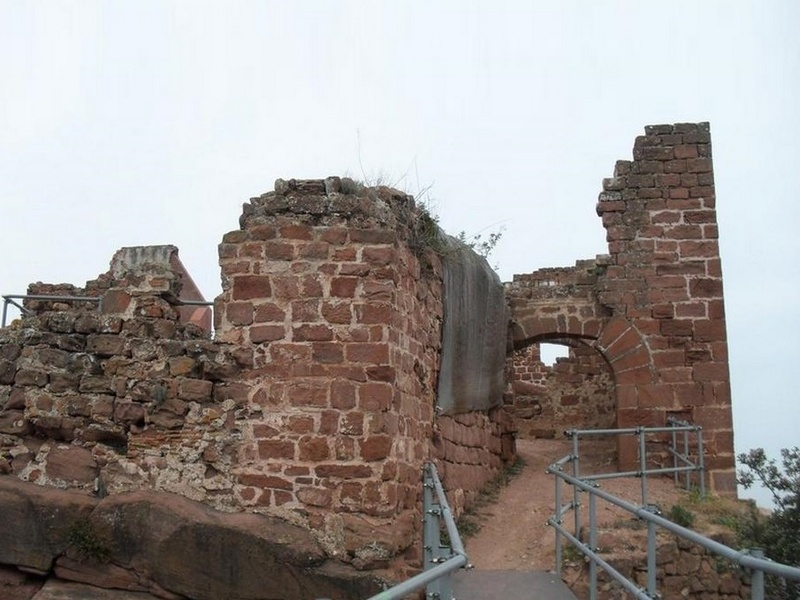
<point>576,507</point>
<point>430,525</point>
<point>559,516</point>
<point>757,577</point>
<point>5,311</point>
<point>642,464</point>
<point>701,462</point>
<point>651,556</point>
<point>592,546</point>
<point>434,551</point>
<point>686,454</point>
<point>674,452</point>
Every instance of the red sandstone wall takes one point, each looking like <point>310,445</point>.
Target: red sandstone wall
<point>118,395</point>
<point>314,402</point>
<point>576,392</point>
<point>471,449</point>
<point>654,306</point>
<point>659,211</point>
<point>342,318</point>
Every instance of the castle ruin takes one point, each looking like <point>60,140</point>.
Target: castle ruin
<point>352,342</point>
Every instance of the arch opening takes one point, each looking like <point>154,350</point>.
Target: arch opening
<point>560,383</point>
<point>550,353</point>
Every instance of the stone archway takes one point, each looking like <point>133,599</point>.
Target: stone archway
<point>552,317</point>
<point>598,399</point>
<point>575,391</point>
<point>653,306</point>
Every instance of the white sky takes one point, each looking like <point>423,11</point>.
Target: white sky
<point>150,122</point>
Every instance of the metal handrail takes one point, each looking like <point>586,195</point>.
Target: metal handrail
<point>751,559</point>
<point>674,427</point>
<point>10,299</point>
<point>744,558</point>
<point>642,473</point>
<point>440,559</point>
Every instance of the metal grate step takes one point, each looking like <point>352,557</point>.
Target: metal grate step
<point>478,584</point>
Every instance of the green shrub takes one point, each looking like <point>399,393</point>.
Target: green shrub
<point>681,516</point>
<point>777,533</point>
<point>88,544</point>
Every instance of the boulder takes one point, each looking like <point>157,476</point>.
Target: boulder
<point>55,589</point>
<point>71,464</point>
<point>168,546</point>
<point>37,521</point>
<point>16,585</point>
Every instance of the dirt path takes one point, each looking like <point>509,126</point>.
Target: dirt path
<point>514,534</point>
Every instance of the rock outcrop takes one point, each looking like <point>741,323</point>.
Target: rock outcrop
<point>165,545</point>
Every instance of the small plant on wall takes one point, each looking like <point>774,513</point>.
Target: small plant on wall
<point>84,538</point>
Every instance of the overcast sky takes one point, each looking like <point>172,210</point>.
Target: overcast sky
<point>133,123</point>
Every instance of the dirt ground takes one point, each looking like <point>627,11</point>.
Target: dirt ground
<point>514,534</point>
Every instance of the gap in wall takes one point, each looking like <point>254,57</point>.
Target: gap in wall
<point>551,352</point>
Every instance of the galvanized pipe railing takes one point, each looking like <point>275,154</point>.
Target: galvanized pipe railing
<point>11,298</point>
<point>440,560</point>
<point>750,559</point>
<point>643,471</point>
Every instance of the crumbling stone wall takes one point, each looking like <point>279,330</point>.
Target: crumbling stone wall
<point>314,402</point>
<point>336,292</point>
<point>684,569</point>
<point>339,303</point>
<point>118,394</point>
<point>576,392</point>
<point>653,307</point>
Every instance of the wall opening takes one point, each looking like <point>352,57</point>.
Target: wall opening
<point>574,390</point>
<point>550,353</point>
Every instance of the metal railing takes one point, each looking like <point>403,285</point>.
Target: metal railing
<point>751,559</point>
<point>440,559</point>
<point>682,460</point>
<point>11,299</point>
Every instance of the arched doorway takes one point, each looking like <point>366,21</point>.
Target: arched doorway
<point>575,391</point>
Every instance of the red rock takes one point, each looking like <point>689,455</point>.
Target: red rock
<point>72,464</point>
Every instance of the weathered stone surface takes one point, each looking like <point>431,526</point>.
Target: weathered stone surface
<point>474,334</point>
<point>316,397</point>
<point>166,545</point>
<point>67,590</point>
<point>37,521</point>
<point>650,313</point>
<point>8,370</point>
<point>106,577</point>
<point>71,464</point>
<point>16,585</point>
<point>13,422</point>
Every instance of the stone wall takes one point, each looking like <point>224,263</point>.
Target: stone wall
<point>659,211</point>
<point>339,303</point>
<point>683,569</point>
<point>470,449</point>
<point>314,402</point>
<point>117,395</point>
<point>576,392</point>
<point>653,307</point>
